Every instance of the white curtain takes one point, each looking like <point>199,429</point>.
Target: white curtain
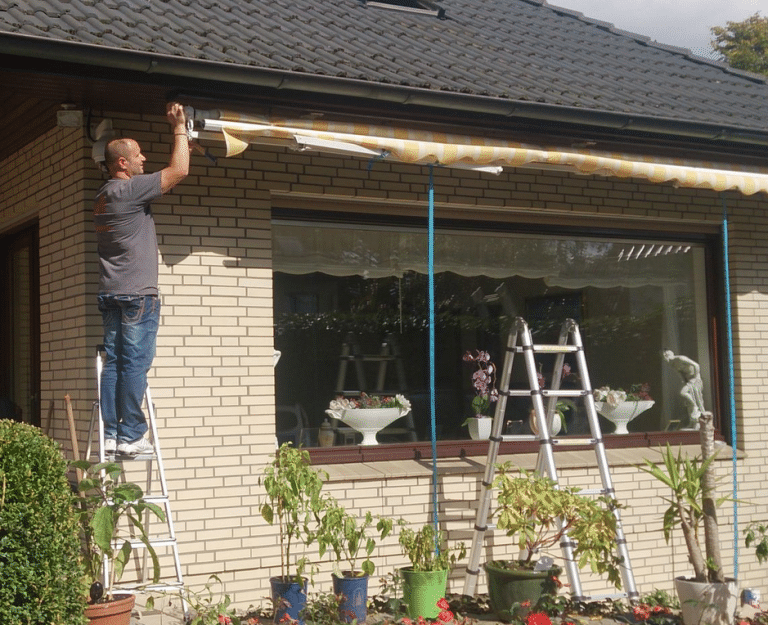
<point>564,262</point>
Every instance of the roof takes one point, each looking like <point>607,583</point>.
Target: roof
<point>515,51</point>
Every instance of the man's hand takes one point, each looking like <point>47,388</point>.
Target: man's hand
<point>178,167</point>
<point>176,117</point>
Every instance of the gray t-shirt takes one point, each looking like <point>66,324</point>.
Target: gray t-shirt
<point>125,230</point>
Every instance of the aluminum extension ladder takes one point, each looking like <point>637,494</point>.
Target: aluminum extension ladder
<point>520,342</point>
<point>166,538</point>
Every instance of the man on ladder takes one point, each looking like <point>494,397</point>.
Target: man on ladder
<point>128,291</point>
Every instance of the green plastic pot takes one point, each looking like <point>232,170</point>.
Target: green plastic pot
<point>510,587</point>
<point>422,590</point>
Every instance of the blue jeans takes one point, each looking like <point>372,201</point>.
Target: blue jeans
<point>130,333</point>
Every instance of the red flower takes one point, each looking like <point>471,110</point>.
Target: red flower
<point>526,604</point>
<point>225,620</point>
<point>421,621</point>
<point>446,616</point>
<point>641,612</point>
<point>407,621</point>
<point>538,618</point>
<point>443,604</point>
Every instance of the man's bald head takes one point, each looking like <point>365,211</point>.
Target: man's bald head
<point>123,156</point>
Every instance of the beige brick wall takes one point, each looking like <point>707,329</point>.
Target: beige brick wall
<point>213,375</point>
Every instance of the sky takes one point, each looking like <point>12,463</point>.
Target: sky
<point>683,23</point>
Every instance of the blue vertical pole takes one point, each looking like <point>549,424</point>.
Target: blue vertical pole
<point>732,394</point>
<point>432,418</point>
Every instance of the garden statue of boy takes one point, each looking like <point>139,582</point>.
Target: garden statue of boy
<point>692,391</point>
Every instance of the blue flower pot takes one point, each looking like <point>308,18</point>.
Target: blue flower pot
<point>289,598</point>
<point>354,597</point>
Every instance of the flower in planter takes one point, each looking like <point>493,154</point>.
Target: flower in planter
<point>370,401</point>
<point>483,381</point>
<point>614,397</point>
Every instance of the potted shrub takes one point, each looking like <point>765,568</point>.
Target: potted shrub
<point>344,536</point>
<point>484,383</point>
<point>293,502</point>
<point>708,597</point>
<point>534,511</point>
<point>424,582</point>
<point>42,580</point>
<point>107,509</point>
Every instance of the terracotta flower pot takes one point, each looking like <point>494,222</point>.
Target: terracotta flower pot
<point>116,612</point>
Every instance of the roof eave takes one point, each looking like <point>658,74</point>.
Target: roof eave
<point>159,64</point>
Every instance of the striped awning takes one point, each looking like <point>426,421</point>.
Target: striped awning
<point>470,152</point>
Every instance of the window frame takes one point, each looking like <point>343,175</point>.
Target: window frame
<point>707,234</point>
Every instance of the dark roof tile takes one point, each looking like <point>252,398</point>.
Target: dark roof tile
<point>507,49</point>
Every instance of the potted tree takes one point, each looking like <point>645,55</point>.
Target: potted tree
<point>424,582</point>
<point>537,513</point>
<point>344,536</point>
<point>108,510</point>
<point>293,502</point>
<point>707,597</point>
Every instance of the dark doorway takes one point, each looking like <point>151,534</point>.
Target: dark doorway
<point>20,326</point>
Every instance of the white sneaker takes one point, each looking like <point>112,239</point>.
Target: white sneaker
<point>140,447</point>
<point>110,446</point>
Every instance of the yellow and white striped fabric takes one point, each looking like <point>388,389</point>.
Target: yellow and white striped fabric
<point>451,150</point>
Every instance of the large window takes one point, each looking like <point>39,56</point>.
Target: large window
<point>351,313</point>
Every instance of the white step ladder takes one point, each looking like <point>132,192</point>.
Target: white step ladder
<point>520,341</point>
<point>166,537</point>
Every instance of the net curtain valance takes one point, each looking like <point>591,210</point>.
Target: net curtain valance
<point>566,263</point>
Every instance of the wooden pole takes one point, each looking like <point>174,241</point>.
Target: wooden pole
<point>73,435</point>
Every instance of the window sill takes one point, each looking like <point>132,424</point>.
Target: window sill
<point>468,448</point>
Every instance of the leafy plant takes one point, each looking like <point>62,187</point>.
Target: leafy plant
<point>322,609</point>
<point>107,509</point>
<point>345,535</point>
<point>535,511</point>
<point>426,549</point>
<point>293,502</point>
<point>209,606</point>
<point>42,579</point>
<point>757,534</point>
<point>692,503</point>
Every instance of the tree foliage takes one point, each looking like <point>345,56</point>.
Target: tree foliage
<point>744,45</point>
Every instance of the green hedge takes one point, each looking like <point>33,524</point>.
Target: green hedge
<point>41,579</point>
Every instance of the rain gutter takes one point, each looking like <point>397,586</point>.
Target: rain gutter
<point>283,80</point>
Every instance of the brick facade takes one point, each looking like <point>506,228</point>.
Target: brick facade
<point>213,375</point>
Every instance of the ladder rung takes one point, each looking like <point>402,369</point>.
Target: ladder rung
<point>549,349</point>
<point>119,458</point>
<point>616,595</point>
<point>155,542</point>
<point>573,442</point>
<point>159,587</point>
<point>592,491</point>
<point>567,392</point>
<point>156,498</point>
<point>547,392</point>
